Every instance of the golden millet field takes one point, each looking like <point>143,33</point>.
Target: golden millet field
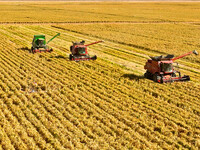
<point>49,102</point>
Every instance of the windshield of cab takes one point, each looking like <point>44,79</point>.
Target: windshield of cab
<point>166,67</point>
<point>81,50</point>
<point>40,42</point>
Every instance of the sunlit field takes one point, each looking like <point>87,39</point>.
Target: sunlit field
<point>49,102</point>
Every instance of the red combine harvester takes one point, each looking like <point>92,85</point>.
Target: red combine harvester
<point>79,51</point>
<point>160,69</point>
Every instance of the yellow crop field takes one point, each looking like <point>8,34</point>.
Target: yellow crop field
<point>49,102</point>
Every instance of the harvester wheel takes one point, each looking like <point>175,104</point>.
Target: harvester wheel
<point>31,51</point>
<point>34,50</point>
<point>161,79</point>
<point>71,48</point>
<point>70,57</point>
<point>155,77</point>
<point>147,75</point>
<point>173,75</point>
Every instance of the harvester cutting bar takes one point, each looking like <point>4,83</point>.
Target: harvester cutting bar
<point>82,58</point>
<point>39,51</point>
<point>174,79</point>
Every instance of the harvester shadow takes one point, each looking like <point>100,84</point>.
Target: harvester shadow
<point>24,49</point>
<point>59,56</point>
<point>133,77</point>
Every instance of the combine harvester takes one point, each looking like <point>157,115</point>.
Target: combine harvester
<point>160,69</point>
<point>79,51</point>
<point>39,41</point>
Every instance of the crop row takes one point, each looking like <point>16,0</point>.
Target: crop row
<point>99,92</point>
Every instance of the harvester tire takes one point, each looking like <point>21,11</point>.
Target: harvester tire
<point>31,50</point>
<point>173,75</point>
<point>34,50</point>
<point>161,79</point>
<point>155,77</point>
<point>147,75</point>
<point>70,57</point>
<point>71,48</point>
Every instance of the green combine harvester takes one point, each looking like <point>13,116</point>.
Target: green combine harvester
<point>39,44</point>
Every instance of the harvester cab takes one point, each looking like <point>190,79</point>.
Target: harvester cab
<point>39,44</point>
<point>161,69</point>
<point>78,48</point>
<point>79,51</point>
